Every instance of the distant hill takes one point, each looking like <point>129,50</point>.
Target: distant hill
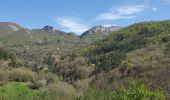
<point>25,37</point>
<point>8,27</point>
<point>12,34</point>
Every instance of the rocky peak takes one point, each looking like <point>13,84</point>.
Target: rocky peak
<point>112,29</point>
<point>101,30</point>
<point>96,29</point>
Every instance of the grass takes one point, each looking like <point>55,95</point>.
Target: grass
<point>19,91</point>
<point>16,91</point>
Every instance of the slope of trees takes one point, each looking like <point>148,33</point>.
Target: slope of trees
<point>111,51</point>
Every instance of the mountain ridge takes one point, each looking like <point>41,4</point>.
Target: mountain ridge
<point>101,29</point>
<point>15,27</point>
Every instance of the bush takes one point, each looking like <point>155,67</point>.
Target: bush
<point>37,84</point>
<point>4,54</point>
<point>42,80</point>
<point>62,88</point>
<point>137,90</point>
<point>81,85</point>
<point>51,78</point>
<point>21,75</point>
<point>74,70</point>
<point>3,76</point>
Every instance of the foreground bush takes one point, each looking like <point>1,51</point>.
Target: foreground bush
<point>135,91</point>
<point>37,84</point>
<point>3,76</point>
<point>42,79</point>
<point>62,89</point>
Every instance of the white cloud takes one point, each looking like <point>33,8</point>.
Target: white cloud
<point>122,12</point>
<point>72,24</point>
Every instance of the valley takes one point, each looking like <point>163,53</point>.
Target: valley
<point>130,63</point>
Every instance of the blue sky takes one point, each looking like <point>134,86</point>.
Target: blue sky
<point>79,15</point>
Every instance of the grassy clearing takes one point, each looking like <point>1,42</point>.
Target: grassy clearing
<point>16,91</point>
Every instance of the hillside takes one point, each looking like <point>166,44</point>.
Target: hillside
<point>139,51</point>
<point>25,37</point>
<point>37,43</point>
<point>130,63</point>
<point>111,51</point>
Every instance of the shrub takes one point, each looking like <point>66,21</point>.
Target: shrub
<point>42,80</point>
<point>74,70</point>
<point>51,78</point>
<point>167,51</point>
<point>4,54</point>
<point>82,85</point>
<point>3,76</point>
<point>21,75</point>
<point>137,90</point>
<point>62,88</point>
<point>37,84</point>
<point>53,89</point>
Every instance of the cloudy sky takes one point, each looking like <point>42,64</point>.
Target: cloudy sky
<point>79,15</point>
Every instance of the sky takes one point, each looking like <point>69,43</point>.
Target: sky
<point>80,15</point>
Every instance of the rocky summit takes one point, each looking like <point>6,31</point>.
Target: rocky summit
<point>102,30</point>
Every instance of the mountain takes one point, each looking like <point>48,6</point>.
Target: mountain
<point>140,52</point>
<point>101,30</point>
<point>12,34</point>
<point>25,37</point>
<point>112,50</point>
<point>97,33</point>
<point>8,27</point>
<point>137,52</point>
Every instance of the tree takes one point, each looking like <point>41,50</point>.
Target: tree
<point>50,61</point>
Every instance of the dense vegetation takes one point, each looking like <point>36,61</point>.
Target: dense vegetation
<point>101,71</point>
<point>111,51</point>
<point>137,90</point>
<point>113,56</point>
